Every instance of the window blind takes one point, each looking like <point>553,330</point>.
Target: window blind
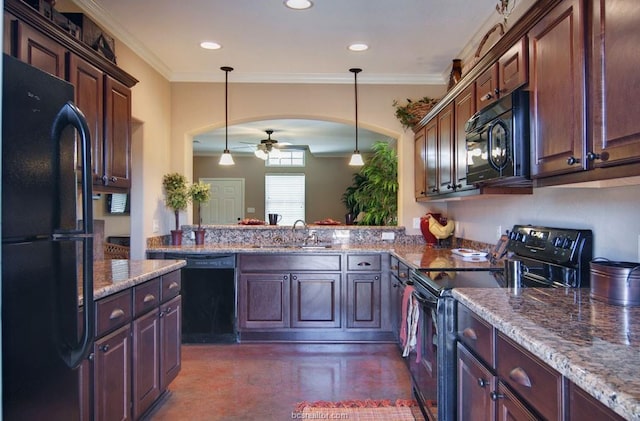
<point>285,195</point>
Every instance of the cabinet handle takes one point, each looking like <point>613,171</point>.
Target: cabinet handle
<point>168,310</point>
<point>364,264</point>
<point>173,285</point>
<point>162,313</point>
<point>113,179</point>
<point>482,382</point>
<point>450,187</point>
<point>104,348</point>
<point>470,333</point>
<point>520,376</point>
<point>495,396</point>
<point>434,190</point>
<point>591,156</point>
<point>572,160</point>
<point>149,298</point>
<point>116,314</point>
<point>422,193</point>
<point>403,275</point>
<point>486,97</point>
<point>496,91</point>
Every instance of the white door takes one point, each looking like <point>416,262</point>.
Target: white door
<point>226,205</point>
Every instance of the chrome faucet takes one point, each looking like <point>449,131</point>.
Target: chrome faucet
<point>295,224</point>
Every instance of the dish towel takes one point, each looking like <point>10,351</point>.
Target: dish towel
<point>413,316</point>
<point>406,298</point>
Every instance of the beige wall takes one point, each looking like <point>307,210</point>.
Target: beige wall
<point>326,180</point>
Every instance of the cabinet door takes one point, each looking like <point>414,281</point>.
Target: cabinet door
<point>263,301</point>
<point>510,408</point>
<point>419,164</point>
<point>38,50</point>
<point>112,376</point>
<point>513,69</point>
<point>117,135</point>
<point>89,96</point>
<point>475,384</point>
<point>7,37</point>
<point>465,107</point>
<point>170,341</point>
<point>615,128</point>
<point>363,300</point>
<point>583,406</point>
<point>487,89</point>
<point>431,158</point>
<point>146,362</point>
<point>315,300</point>
<point>556,51</point>
<point>445,149</point>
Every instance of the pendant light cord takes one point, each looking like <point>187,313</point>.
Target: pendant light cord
<point>355,72</point>
<point>226,70</point>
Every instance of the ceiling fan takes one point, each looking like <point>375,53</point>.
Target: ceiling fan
<point>267,147</point>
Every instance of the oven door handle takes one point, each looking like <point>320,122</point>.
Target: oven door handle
<point>431,302</point>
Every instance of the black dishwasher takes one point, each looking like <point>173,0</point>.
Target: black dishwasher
<point>208,297</point>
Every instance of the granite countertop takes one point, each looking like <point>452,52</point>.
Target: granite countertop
<point>593,344</point>
<point>111,276</point>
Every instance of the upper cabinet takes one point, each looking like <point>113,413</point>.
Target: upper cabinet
<point>614,83</point>
<point>102,90</point>
<point>557,94</point>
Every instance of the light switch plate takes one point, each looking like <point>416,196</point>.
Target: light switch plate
<point>388,236</point>
<point>416,223</point>
<point>251,210</point>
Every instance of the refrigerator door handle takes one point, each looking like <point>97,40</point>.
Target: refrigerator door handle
<point>69,114</point>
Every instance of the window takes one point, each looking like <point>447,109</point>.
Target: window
<point>286,158</point>
<point>284,194</point>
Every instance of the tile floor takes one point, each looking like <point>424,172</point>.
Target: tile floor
<point>243,382</point>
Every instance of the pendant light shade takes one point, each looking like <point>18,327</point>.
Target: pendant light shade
<point>356,158</point>
<point>226,158</point>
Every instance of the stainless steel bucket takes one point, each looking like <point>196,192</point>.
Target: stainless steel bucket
<point>615,282</point>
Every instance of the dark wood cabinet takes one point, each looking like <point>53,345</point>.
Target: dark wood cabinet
<point>315,300</point>
<point>263,301</point>
<point>363,300</point>
<point>419,164</point>
<point>557,78</point>
<point>465,108</point>
<point>117,136</point>
<point>583,406</point>
<point>431,158</point>
<point>487,87</point>
<point>37,49</point>
<point>398,276</point>
<point>170,341</point>
<point>112,376</point>
<point>446,132</point>
<point>614,81</point>
<point>475,384</point>
<point>146,364</point>
<point>513,68</point>
<point>510,408</point>
<point>88,81</point>
<point>102,90</point>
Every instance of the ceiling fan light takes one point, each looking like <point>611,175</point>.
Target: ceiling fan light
<point>275,152</point>
<point>298,4</point>
<point>356,159</point>
<point>226,158</point>
<point>261,154</point>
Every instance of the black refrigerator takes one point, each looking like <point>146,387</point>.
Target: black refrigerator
<point>47,245</point>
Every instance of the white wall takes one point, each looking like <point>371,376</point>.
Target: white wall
<point>612,214</point>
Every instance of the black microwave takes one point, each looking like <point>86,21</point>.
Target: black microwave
<point>497,139</point>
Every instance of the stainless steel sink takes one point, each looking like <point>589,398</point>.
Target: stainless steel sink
<point>293,246</point>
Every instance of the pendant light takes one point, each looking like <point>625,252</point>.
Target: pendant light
<point>226,158</point>
<point>356,158</point>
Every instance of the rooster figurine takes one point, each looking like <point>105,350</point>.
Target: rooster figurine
<point>441,231</point>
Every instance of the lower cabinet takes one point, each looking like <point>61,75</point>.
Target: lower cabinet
<point>475,384</point>
<point>137,352</point>
<point>314,297</point>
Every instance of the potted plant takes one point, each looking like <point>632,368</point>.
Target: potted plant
<point>412,112</point>
<point>200,192</point>
<point>349,199</point>
<point>177,198</point>
<point>375,189</point>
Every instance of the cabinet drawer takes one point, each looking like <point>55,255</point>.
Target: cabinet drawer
<point>289,262</point>
<point>113,311</point>
<point>403,271</point>
<point>476,334</point>
<point>146,296</point>
<point>170,285</point>
<point>368,262</point>
<point>537,383</point>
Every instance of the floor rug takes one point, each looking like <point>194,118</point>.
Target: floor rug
<point>359,410</point>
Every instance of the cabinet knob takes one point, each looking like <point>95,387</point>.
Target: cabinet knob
<point>294,277</point>
<point>496,91</point>
<point>591,156</point>
<point>572,160</point>
<point>149,298</point>
<point>486,97</point>
<point>450,187</point>
<point>113,179</point>
<point>162,313</point>
<point>434,190</point>
<point>482,382</point>
<point>104,348</point>
<point>495,396</point>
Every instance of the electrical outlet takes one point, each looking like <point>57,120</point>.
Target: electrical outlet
<point>388,235</point>
<point>251,210</point>
<point>416,223</point>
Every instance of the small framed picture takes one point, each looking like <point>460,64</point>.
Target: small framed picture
<point>500,249</point>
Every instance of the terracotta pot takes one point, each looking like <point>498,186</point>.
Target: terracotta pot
<point>176,237</point>
<point>199,237</point>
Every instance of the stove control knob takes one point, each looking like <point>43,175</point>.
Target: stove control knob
<point>557,242</point>
<point>566,243</point>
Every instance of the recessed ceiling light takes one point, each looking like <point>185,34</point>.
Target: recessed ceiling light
<point>210,45</point>
<point>358,47</point>
<point>298,4</point>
